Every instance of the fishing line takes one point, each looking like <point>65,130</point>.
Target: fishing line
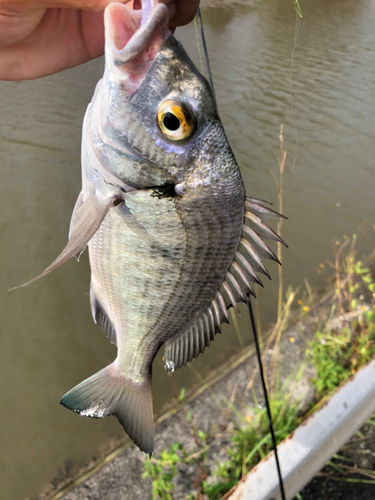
<point>205,52</point>
<point>296,34</point>
<point>265,392</point>
<point>197,35</point>
<point>255,333</point>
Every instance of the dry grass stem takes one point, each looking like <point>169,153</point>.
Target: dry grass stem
<point>281,160</point>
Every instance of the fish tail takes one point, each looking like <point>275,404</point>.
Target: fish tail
<point>108,392</point>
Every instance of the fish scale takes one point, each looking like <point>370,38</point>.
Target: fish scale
<point>205,266</point>
<point>129,266</point>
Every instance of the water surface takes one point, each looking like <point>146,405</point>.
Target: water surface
<point>325,101</point>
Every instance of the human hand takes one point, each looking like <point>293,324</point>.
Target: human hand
<point>42,37</point>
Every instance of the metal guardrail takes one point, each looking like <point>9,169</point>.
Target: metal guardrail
<point>312,444</point>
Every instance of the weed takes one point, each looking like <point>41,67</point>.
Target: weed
<point>336,356</point>
<point>298,8</point>
<point>251,442</point>
<point>163,470</point>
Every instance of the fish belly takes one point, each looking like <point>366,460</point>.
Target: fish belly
<point>136,260</point>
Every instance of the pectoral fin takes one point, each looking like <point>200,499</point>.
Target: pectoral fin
<point>85,222</point>
<point>75,209</point>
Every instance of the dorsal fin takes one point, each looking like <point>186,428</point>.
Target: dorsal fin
<point>101,318</point>
<point>184,347</point>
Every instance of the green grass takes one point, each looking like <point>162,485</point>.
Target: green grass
<point>336,356</point>
<point>251,442</point>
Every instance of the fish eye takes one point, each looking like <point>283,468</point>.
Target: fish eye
<point>176,120</point>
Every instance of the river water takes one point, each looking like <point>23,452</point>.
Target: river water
<point>326,101</point>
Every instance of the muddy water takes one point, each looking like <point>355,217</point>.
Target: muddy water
<point>326,101</point>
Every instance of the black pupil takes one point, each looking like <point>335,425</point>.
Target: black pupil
<point>171,122</point>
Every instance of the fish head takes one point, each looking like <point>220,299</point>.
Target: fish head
<point>158,109</point>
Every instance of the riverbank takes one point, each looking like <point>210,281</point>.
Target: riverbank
<point>203,425</point>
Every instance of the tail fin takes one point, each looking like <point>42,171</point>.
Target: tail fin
<point>108,392</point>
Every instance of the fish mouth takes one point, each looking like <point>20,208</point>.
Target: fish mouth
<point>132,41</point>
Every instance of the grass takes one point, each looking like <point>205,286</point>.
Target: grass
<point>336,356</point>
<point>250,441</point>
<point>297,8</point>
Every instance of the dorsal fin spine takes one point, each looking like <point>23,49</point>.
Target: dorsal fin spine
<point>216,314</point>
<point>182,342</point>
<point>246,266</point>
<point>212,323</point>
<point>206,329</point>
<point>261,226</point>
<point>191,343</point>
<point>262,210</point>
<point>250,234</point>
<point>228,294</point>
<point>186,348</point>
<point>170,353</point>
<point>196,337</point>
<point>201,334</point>
<point>259,266</point>
<point>223,308</point>
<point>233,283</point>
<point>257,200</point>
<point>178,352</point>
<point>240,275</point>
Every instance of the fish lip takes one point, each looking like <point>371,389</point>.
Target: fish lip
<point>143,36</point>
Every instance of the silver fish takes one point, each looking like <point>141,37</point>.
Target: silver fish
<point>173,240</point>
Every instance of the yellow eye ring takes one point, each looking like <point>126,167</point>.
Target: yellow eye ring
<point>176,121</point>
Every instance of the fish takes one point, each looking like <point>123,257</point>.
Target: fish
<point>173,240</point>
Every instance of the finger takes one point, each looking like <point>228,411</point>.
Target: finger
<point>181,11</point>
<point>16,28</point>
<point>57,44</point>
<point>25,7</point>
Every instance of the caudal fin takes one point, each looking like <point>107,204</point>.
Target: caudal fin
<point>109,393</point>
